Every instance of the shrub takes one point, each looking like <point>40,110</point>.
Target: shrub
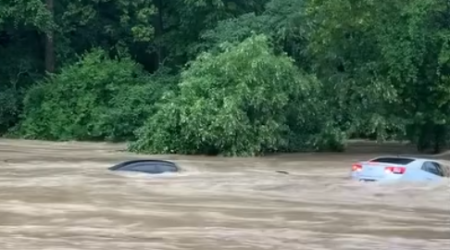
<point>97,98</point>
<point>241,101</point>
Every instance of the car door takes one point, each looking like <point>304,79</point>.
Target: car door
<point>432,171</point>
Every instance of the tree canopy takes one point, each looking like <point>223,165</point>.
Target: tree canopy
<point>225,76</point>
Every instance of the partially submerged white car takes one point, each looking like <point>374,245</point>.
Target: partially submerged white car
<point>389,168</point>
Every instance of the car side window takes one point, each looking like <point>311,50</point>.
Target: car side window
<point>167,167</point>
<point>432,168</point>
<point>143,167</point>
<point>153,167</point>
<point>438,168</point>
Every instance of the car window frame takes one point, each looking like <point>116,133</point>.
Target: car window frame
<point>438,168</point>
<point>430,166</point>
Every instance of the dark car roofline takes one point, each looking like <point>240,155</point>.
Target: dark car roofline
<point>128,162</point>
<point>416,158</point>
<point>397,156</point>
<point>397,160</point>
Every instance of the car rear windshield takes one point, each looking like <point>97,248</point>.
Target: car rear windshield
<point>394,160</point>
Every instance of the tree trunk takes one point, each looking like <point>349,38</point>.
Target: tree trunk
<point>159,32</point>
<point>49,44</point>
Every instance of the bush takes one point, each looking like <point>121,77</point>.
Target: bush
<point>98,98</point>
<point>242,101</point>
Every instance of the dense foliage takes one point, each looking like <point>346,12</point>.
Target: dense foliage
<point>97,98</point>
<point>242,100</point>
<point>225,76</point>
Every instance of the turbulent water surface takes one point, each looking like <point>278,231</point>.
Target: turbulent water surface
<point>60,196</point>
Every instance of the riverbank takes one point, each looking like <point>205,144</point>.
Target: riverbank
<point>35,150</point>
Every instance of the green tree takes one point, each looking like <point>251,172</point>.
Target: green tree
<point>98,98</point>
<point>282,20</point>
<point>21,23</point>
<point>181,23</point>
<point>70,28</point>
<point>236,102</point>
<point>386,63</point>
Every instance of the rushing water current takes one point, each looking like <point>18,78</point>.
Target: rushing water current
<point>61,197</point>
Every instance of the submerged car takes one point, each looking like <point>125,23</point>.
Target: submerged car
<point>146,166</point>
<point>399,168</point>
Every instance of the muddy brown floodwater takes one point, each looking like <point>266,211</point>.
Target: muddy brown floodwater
<point>59,196</point>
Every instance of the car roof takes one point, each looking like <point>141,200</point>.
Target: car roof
<point>404,157</point>
<point>412,158</point>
